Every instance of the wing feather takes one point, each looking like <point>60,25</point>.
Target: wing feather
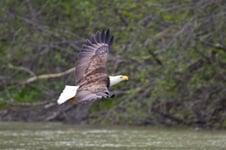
<point>91,72</point>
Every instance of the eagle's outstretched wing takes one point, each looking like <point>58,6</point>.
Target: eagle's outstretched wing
<point>91,72</point>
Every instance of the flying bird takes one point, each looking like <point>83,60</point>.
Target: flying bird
<point>92,79</point>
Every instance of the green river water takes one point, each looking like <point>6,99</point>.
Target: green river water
<point>56,136</point>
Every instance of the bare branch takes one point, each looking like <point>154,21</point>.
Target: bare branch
<point>48,76</point>
<point>21,68</point>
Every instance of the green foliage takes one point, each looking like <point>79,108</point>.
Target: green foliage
<point>27,95</point>
<point>173,52</point>
<point>21,94</point>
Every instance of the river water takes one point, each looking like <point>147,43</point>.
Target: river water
<point>56,136</point>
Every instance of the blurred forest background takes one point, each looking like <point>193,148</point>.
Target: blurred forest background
<point>174,53</point>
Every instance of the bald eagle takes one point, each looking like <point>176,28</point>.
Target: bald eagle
<point>92,80</point>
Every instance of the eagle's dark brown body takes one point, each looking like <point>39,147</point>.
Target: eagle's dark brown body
<point>91,73</point>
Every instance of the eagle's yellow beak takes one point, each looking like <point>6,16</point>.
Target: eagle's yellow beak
<point>125,77</point>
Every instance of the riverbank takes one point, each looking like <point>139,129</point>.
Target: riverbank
<point>72,114</point>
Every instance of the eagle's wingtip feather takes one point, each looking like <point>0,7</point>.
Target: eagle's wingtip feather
<point>100,37</point>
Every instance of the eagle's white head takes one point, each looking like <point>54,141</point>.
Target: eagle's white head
<point>116,79</point>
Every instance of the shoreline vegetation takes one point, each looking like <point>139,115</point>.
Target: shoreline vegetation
<point>173,52</point>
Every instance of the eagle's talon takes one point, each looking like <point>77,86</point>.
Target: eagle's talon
<point>112,95</point>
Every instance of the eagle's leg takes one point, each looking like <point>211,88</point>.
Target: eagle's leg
<point>104,95</point>
<point>111,95</point>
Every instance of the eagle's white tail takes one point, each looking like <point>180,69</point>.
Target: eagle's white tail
<point>68,93</point>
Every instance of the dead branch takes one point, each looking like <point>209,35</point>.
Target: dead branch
<point>48,76</point>
<point>21,68</point>
<point>35,77</point>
